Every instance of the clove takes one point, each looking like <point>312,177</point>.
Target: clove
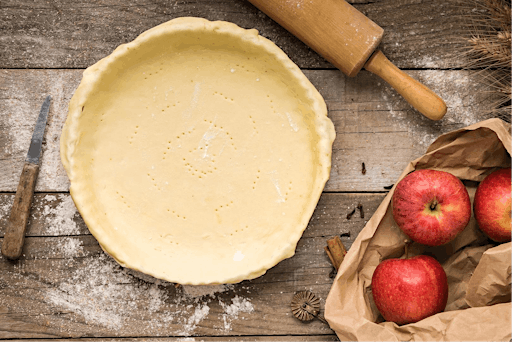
<point>349,215</point>
<point>361,211</point>
<point>363,170</point>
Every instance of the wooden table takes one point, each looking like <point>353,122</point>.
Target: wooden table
<point>65,286</point>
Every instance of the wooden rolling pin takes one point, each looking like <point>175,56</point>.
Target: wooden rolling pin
<point>348,39</point>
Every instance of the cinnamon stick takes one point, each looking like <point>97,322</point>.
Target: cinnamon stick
<point>336,251</point>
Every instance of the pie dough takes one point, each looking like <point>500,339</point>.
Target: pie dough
<point>197,153</point>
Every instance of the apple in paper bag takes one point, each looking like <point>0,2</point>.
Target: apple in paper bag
<point>409,290</point>
<point>492,205</point>
<point>431,206</point>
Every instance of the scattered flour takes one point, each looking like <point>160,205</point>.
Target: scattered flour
<point>102,293</point>
<point>60,220</point>
<point>22,109</point>
<point>200,313</point>
<point>292,123</point>
<point>50,198</point>
<point>193,101</point>
<point>275,180</point>
<point>93,292</point>
<point>89,310</point>
<point>106,296</point>
<point>52,174</point>
<point>5,209</point>
<point>70,247</point>
<point>232,311</point>
<point>18,121</point>
<point>427,61</point>
<point>465,99</point>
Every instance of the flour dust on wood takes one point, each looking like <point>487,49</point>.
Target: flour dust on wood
<point>22,109</point>
<point>5,209</point>
<point>232,311</point>
<point>463,96</point>
<point>99,292</point>
<point>60,220</point>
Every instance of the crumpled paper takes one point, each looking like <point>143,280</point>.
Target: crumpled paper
<point>478,269</point>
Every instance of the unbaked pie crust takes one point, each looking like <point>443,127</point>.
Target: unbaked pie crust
<point>197,153</point>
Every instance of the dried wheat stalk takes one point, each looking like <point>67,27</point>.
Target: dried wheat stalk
<point>486,48</point>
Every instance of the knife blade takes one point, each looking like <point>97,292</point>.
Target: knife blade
<point>14,237</point>
<point>34,151</point>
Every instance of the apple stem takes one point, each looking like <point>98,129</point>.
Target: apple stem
<point>407,243</point>
<point>433,205</point>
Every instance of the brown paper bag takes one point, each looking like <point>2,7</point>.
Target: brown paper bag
<point>478,269</point>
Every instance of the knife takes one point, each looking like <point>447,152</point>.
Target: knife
<point>14,237</point>
<point>348,39</point>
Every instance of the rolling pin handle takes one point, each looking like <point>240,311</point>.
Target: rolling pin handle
<point>418,95</point>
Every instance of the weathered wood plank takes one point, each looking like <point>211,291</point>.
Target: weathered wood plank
<point>67,287</point>
<point>19,106</point>
<point>374,125</point>
<point>54,215</point>
<point>330,337</point>
<point>76,34</point>
<point>419,34</point>
<point>50,215</point>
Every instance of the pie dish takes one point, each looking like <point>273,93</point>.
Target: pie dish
<point>197,153</point>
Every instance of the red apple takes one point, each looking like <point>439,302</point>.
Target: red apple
<point>492,205</point>
<point>409,290</point>
<point>431,206</point>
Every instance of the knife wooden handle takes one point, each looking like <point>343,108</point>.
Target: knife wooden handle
<point>14,237</point>
<point>418,95</point>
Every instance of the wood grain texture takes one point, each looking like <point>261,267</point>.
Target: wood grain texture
<point>65,286</point>
<point>54,215</point>
<point>76,34</point>
<point>327,337</point>
<point>373,123</point>
<point>51,215</point>
<point>14,236</point>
